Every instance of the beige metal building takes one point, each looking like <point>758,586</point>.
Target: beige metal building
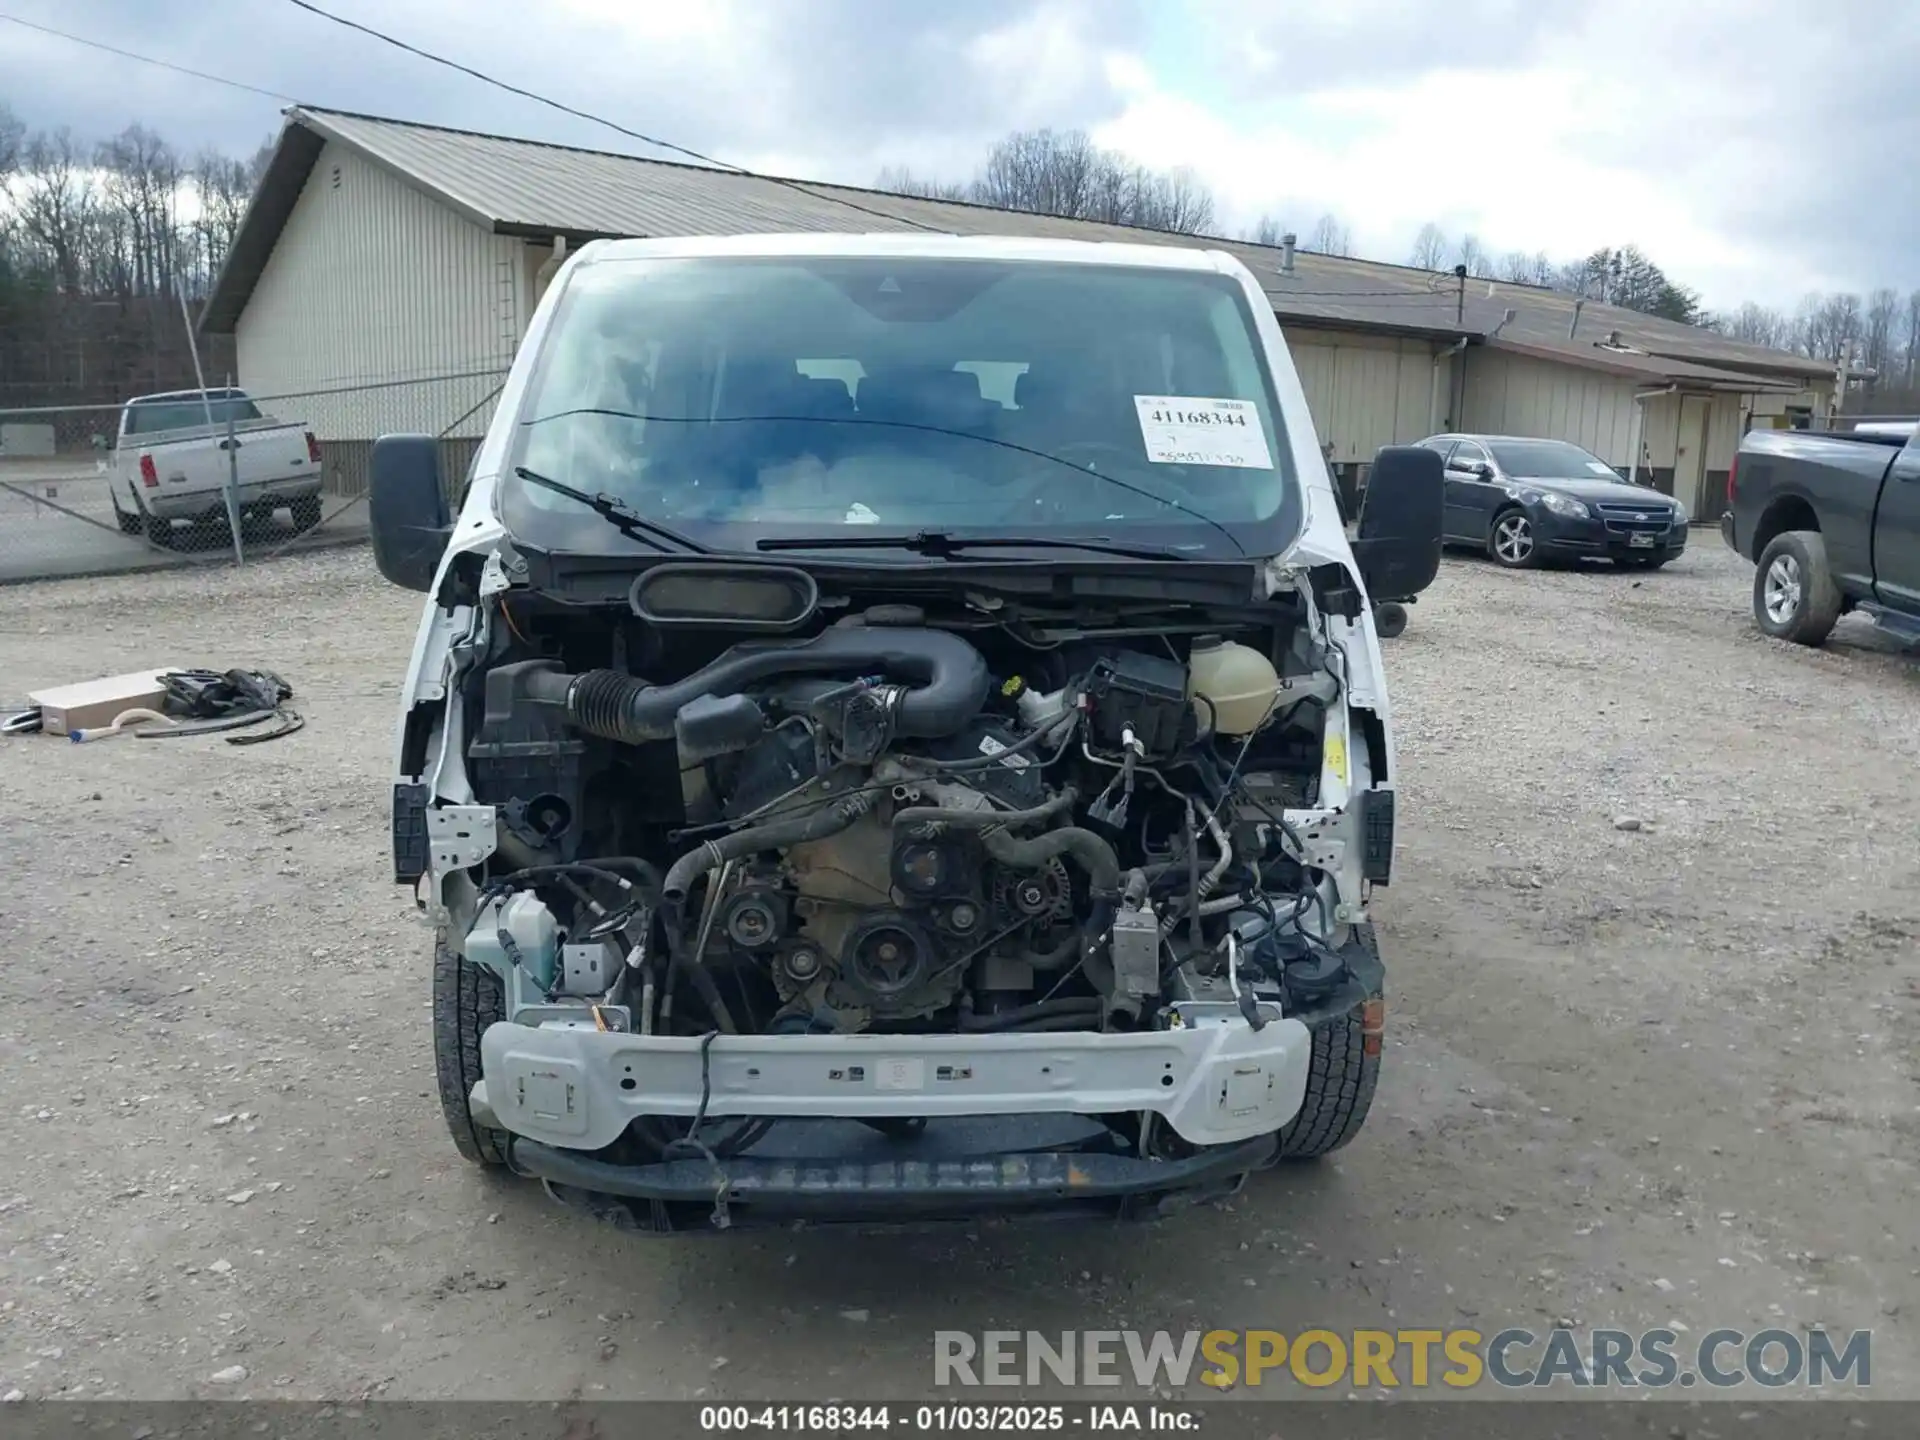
<point>406,257</point>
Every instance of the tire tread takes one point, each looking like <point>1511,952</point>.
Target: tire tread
<point>466,1000</point>
<point>1341,1079</point>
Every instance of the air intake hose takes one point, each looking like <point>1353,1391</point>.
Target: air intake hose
<point>947,677</point>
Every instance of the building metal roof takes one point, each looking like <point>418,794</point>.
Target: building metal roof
<point>542,191</point>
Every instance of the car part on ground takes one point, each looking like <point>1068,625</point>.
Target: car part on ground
<point>122,724</point>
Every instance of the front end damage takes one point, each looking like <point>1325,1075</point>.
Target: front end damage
<point>871,901</point>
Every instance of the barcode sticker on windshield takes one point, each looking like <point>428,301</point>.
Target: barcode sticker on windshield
<point>1198,430</point>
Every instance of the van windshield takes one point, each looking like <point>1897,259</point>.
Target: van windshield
<point>744,399</point>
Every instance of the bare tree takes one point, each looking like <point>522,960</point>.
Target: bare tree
<point>1047,172</point>
<point>1523,269</point>
<point>1825,327</point>
<point>221,191</point>
<point>1189,204</point>
<point>1051,172</point>
<point>1882,314</point>
<point>1330,236</point>
<point>1266,231</point>
<point>13,139</point>
<point>140,202</point>
<point>1910,340</point>
<point>1755,325</point>
<point>1474,256</point>
<point>55,201</point>
<point>898,180</point>
<point>1430,247</point>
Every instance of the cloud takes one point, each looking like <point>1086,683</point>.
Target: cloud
<point>1755,148</point>
<point>843,85</point>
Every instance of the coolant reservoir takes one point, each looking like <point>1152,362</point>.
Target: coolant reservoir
<point>1237,683</point>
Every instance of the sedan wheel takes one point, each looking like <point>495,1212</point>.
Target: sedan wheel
<point>1512,543</point>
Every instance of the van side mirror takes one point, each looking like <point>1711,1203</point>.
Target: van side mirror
<point>1398,544</point>
<point>407,509</point>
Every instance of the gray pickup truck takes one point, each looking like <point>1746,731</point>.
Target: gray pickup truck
<point>1831,520</point>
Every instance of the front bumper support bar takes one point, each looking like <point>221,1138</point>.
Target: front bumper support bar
<point>877,1190</point>
<point>577,1089</point>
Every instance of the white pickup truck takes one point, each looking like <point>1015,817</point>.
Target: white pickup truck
<point>170,462</point>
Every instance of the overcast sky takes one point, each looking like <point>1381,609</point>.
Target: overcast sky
<point>1757,149</point>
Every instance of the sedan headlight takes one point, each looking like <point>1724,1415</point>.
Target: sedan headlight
<point>1565,505</point>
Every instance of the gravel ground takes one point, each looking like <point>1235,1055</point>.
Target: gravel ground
<point>1634,1074</point>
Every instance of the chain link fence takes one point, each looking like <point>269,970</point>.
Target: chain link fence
<point>216,479</point>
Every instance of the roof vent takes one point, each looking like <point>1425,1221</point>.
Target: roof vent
<point>1574,323</point>
<point>1614,343</point>
<point>1287,242</point>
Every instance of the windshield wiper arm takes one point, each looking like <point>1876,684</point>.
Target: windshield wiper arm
<point>615,511</point>
<point>943,546</point>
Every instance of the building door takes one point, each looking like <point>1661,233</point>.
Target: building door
<point>1690,451</point>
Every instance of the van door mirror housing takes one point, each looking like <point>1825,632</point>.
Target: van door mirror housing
<point>1398,544</point>
<point>407,509</point>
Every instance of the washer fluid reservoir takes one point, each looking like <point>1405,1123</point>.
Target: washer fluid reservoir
<point>1237,684</point>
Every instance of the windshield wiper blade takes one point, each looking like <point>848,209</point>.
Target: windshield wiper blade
<point>942,546</point>
<point>615,511</point>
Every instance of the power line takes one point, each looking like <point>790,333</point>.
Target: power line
<point>654,141</point>
<point>149,60</point>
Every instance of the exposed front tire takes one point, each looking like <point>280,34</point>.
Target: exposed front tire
<point>466,1000</point>
<point>306,513</point>
<point>1342,1072</point>
<point>129,524</point>
<point>1511,542</point>
<point>1389,619</point>
<point>1794,597</point>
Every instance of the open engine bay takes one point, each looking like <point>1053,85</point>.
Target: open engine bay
<point>750,803</point>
